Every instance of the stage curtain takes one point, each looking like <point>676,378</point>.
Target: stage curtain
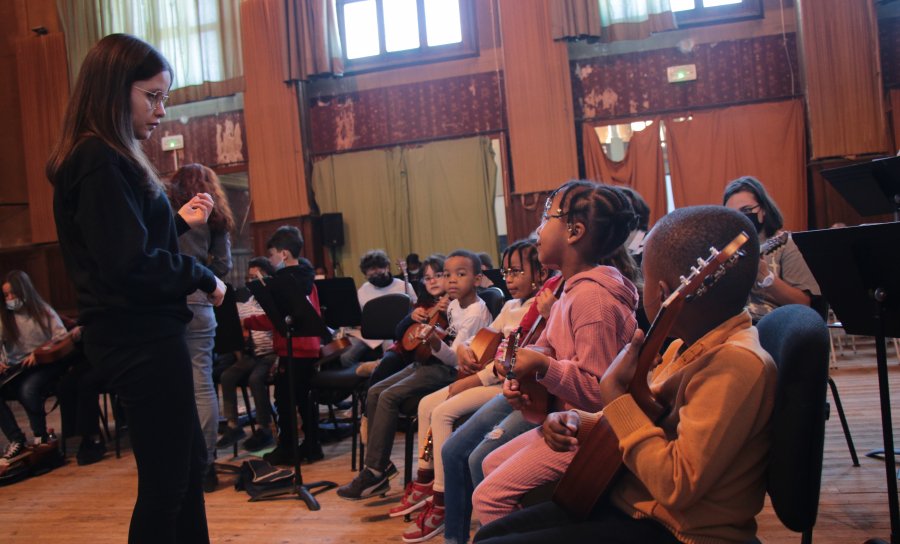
<point>610,20</point>
<point>43,95</point>
<point>844,95</point>
<point>313,45</point>
<point>278,185</point>
<point>451,186</point>
<point>538,90</point>
<point>709,149</point>
<point>642,169</point>
<point>369,189</point>
<point>200,38</point>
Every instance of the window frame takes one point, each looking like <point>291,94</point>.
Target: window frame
<point>701,15</point>
<point>424,53</point>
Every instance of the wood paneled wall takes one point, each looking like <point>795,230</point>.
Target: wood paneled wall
<point>538,98</point>
<point>839,50</point>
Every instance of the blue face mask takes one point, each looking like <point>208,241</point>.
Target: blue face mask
<point>14,304</point>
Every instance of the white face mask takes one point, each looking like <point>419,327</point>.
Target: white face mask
<point>14,304</point>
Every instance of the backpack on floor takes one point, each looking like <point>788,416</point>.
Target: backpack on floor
<point>258,476</point>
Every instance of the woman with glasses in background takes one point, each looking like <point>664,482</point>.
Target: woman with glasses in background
<point>783,276</point>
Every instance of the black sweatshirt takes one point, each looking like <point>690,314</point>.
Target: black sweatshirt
<point>120,247</point>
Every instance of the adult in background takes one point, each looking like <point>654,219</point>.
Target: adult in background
<point>210,244</point>
<point>119,239</point>
<point>783,276</point>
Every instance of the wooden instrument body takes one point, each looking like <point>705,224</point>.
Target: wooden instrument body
<point>335,347</point>
<point>599,459</point>
<point>55,350</point>
<point>417,336</point>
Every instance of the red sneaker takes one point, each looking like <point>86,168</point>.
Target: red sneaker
<point>413,498</point>
<point>429,523</point>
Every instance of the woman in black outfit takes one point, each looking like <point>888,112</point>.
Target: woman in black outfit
<point>118,236</point>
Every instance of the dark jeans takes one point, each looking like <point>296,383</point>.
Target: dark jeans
<point>304,369</point>
<point>390,364</point>
<point>255,372</point>
<point>547,522</point>
<point>154,383</point>
<point>30,388</point>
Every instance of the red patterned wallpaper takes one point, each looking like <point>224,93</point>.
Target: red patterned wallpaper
<point>210,140</point>
<point>889,44</point>
<point>731,72</point>
<point>430,110</point>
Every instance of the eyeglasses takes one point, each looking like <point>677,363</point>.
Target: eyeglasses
<point>750,209</point>
<point>156,99</point>
<point>507,272</point>
<point>546,216</point>
<point>436,277</point>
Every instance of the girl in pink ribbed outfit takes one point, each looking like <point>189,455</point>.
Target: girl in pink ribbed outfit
<point>583,222</point>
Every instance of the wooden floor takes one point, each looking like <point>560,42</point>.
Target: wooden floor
<point>92,504</point>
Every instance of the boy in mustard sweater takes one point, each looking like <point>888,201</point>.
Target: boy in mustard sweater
<point>698,475</point>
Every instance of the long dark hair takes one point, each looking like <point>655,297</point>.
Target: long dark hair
<point>191,179</point>
<point>101,103</point>
<point>604,210</point>
<point>773,220</point>
<point>32,304</point>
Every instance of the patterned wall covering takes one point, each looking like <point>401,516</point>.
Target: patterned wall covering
<point>211,140</point>
<point>430,110</point>
<point>889,44</point>
<point>731,72</point>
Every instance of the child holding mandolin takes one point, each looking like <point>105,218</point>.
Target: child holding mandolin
<point>467,314</point>
<point>26,322</point>
<point>476,383</point>
<point>583,223</point>
<point>697,474</point>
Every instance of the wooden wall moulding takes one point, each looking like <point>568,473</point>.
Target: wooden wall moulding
<point>842,69</point>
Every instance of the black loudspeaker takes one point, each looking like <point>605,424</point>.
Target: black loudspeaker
<point>333,229</point>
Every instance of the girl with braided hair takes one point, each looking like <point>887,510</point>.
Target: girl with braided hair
<point>583,223</point>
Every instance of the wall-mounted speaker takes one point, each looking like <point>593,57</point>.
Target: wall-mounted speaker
<point>333,229</point>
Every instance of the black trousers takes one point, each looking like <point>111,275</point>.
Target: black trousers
<point>547,522</point>
<point>155,386</point>
<point>304,369</point>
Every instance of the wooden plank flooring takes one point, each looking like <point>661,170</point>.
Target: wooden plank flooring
<point>92,504</point>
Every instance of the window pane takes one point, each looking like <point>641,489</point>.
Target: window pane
<point>681,5</point>
<point>401,25</point>
<point>442,22</point>
<point>361,29</point>
<point>713,3</point>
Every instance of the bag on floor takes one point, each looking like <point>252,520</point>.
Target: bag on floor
<point>258,476</point>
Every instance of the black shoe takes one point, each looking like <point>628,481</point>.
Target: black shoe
<point>90,451</point>
<point>312,452</point>
<point>391,471</point>
<point>281,455</point>
<point>210,480</point>
<point>365,485</point>
<point>231,436</point>
<point>261,439</point>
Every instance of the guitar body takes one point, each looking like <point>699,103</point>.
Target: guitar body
<point>54,350</point>
<point>599,469</point>
<point>485,344</point>
<point>415,339</point>
<point>540,399</point>
<point>335,347</point>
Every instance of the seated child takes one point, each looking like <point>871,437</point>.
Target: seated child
<point>439,411</point>
<point>467,314</point>
<point>254,365</point>
<point>698,475</point>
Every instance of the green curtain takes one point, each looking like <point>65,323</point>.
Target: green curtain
<point>433,198</point>
<point>200,38</point>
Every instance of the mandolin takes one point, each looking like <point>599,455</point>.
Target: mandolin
<point>335,347</point>
<point>599,458</point>
<point>416,338</point>
<point>540,399</point>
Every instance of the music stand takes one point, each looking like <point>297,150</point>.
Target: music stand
<point>291,313</point>
<point>339,302</point>
<point>858,270</point>
<point>229,335</point>
<point>872,188</point>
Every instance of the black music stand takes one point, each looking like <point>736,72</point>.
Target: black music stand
<point>872,188</point>
<point>858,269</point>
<point>283,301</point>
<point>339,302</point>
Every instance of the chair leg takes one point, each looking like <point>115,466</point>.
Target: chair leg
<point>251,416</point>
<point>846,427</point>
<point>408,453</point>
<point>354,414</point>
<point>362,395</point>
